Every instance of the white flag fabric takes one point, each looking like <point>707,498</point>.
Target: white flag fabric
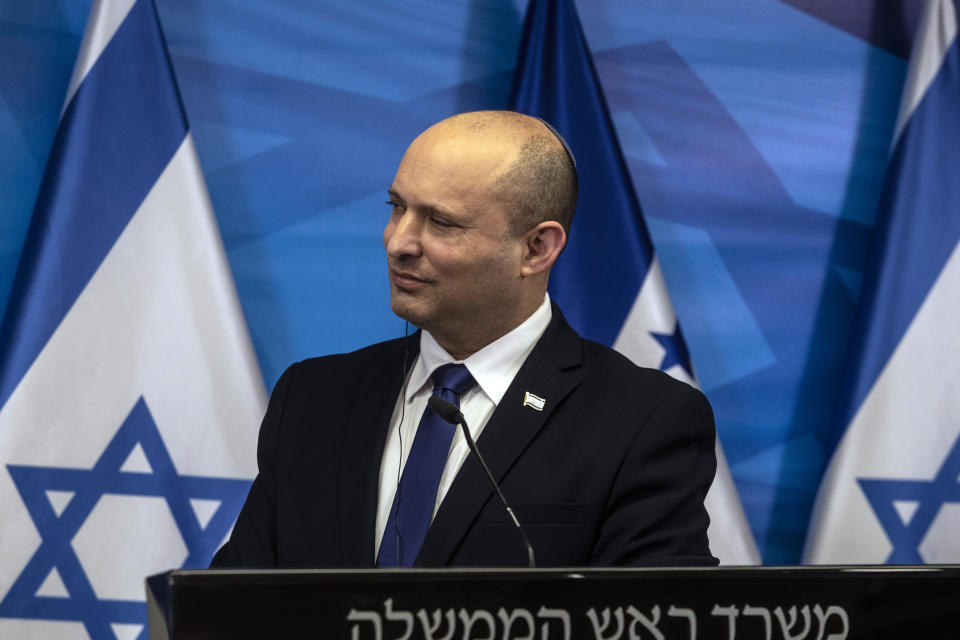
<point>129,392</point>
<point>891,492</point>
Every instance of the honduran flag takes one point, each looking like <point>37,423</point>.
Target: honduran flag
<point>129,392</point>
<point>891,492</point>
<point>609,281</point>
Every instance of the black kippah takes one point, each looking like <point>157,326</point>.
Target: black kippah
<point>563,142</point>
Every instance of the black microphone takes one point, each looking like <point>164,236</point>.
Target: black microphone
<point>451,414</point>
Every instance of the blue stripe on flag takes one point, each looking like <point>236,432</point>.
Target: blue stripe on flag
<point>121,122</point>
<point>920,189</point>
<point>597,278</point>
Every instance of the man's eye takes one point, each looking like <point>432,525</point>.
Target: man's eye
<point>442,223</point>
<point>394,204</point>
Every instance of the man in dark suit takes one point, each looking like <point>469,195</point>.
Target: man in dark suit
<point>605,463</point>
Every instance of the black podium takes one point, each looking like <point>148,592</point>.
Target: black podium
<point>724,603</point>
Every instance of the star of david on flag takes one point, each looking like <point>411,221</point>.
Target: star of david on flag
<point>615,295</point>
<point>62,500</point>
<point>907,508</point>
<point>675,350</point>
<point>129,392</point>
<point>889,493</point>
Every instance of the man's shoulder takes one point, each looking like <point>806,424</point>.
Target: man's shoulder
<point>606,366</point>
<point>346,366</point>
<point>370,353</point>
<point>598,360</point>
<point>612,387</point>
<point>605,371</point>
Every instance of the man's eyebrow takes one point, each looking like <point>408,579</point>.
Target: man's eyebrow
<point>433,210</point>
<point>428,209</point>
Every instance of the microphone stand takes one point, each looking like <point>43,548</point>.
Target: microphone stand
<point>451,414</point>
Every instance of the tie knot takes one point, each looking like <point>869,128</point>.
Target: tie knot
<point>453,377</point>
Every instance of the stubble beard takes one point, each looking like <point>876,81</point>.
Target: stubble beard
<point>405,306</point>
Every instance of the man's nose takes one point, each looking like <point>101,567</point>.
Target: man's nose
<point>402,236</point>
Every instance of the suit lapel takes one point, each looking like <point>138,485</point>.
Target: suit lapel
<point>551,371</point>
<point>362,453</point>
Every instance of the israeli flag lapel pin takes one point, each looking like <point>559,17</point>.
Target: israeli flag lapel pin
<point>532,401</point>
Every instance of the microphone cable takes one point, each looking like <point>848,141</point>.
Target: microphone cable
<point>403,406</point>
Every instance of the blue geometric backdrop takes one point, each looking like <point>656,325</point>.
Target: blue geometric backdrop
<point>756,133</point>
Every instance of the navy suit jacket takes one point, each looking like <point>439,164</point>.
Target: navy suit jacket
<point>612,471</point>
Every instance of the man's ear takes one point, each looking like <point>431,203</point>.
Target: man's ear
<point>542,246</point>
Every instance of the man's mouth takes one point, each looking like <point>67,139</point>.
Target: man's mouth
<point>406,280</point>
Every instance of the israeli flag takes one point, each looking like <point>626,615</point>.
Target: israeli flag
<point>891,492</point>
<point>608,280</point>
<point>129,392</point>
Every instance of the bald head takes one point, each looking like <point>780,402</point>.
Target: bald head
<point>535,178</point>
<point>478,209</point>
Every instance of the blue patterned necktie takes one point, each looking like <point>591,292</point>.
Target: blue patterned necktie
<point>416,495</point>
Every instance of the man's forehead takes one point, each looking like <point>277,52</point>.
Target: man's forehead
<point>451,179</point>
<point>440,150</point>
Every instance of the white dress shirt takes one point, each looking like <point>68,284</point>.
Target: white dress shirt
<point>493,368</point>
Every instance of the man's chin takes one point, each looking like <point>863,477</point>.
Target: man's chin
<point>409,312</point>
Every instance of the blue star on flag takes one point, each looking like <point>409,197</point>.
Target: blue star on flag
<point>87,487</point>
<point>929,495</point>
<point>676,350</point>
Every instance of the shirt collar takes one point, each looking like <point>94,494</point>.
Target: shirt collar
<point>495,365</point>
